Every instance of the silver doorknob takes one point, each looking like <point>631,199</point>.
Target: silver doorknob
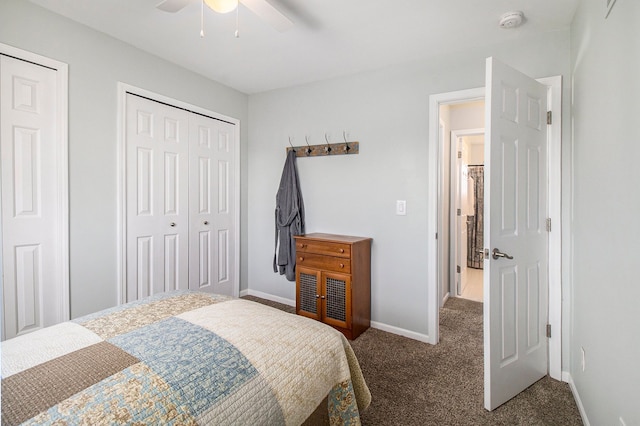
<point>206,222</point>
<point>497,254</point>
<point>172,224</point>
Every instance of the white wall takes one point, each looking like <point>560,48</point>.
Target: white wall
<point>606,231</point>
<point>96,64</point>
<point>476,149</point>
<point>387,111</point>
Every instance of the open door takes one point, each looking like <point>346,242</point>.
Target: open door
<point>516,239</point>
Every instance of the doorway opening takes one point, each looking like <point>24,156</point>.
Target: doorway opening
<point>461,133</point>
<point>467,214</point>
<point>439,287</point>
<point>462,128</point>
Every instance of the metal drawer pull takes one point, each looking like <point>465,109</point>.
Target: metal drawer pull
<point>206,222</point>
<point>341,250</point>
<point>342,265</point>
<point>322,297</point>
<point>301,259</point>
<point>172,224</point>
<point>498,254</point>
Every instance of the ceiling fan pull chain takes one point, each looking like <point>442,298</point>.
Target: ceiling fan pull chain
<point>202,18</point>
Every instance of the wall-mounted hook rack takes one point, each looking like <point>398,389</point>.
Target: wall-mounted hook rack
<point>326,149</point>
<point>342,148</point>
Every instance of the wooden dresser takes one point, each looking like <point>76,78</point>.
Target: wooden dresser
<point>333,281</point>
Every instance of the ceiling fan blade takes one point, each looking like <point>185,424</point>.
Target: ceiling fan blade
<point>172,6</point>
<point>268,13</point>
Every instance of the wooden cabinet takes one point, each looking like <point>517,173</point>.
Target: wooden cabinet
<point>333,281</point>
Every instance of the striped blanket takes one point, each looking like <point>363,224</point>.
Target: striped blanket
<point>182,358</point>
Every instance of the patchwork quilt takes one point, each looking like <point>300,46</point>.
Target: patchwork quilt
<point>182,358</point>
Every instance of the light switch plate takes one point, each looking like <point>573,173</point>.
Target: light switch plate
<point>401,207</point>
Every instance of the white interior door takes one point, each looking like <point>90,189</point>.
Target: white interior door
<point>515,303</point>
<point>157,148</point>
<point>32,283</point>
<point>211,205</point>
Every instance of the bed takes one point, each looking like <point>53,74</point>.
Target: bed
<point>183,358</point>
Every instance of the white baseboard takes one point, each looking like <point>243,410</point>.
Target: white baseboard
<point>576,396</point>
<point>267,296</point>
<point>445,298</point>
<point>374,324</point>
<point>400,331</point>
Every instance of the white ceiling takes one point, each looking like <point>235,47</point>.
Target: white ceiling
<point>329,37</point>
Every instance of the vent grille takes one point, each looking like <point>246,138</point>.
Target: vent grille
<point>308,287</point>
<point>336,303</point>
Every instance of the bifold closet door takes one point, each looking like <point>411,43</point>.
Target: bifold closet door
<point>211,204</point>
<point>31,284</point>
<point>157,149</point>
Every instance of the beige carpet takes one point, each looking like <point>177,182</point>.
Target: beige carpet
<point>414,383</point>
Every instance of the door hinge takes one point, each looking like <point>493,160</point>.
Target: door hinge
<point>549,330</point>
<point>459,212</point>
<point>458,270</point>
<point>459,154</point>
<point>436,235</point>
<point>549,117</point>
<point>548,224</point>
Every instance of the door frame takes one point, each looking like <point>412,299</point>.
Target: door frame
<point>61,230</point>
<point>453,234</point>
<point>123,89</point>
<point>435,197</point>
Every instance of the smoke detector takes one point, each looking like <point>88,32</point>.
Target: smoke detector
<point>511,20</point>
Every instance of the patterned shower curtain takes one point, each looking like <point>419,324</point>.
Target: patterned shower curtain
<point>475,222</point>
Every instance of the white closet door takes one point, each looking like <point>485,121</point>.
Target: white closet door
<point>29,204</point>
<point>157,197</point>
<point>212,207</point>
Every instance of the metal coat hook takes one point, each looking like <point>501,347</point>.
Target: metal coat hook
<point>327,148</point>
<point>308,150</point>
<point>292,147</point>
<point>346,144</point>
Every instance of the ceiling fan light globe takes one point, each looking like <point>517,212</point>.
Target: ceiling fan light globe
<point>222,6</point>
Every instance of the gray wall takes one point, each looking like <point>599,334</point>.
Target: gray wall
<point>96,64</point>
<point>606,231</point>
<point>387,111</point>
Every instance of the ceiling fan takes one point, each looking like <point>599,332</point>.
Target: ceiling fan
<point>262,8</point>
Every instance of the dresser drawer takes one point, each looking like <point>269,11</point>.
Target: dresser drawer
<point>327,263</point>
<point>323,247</point>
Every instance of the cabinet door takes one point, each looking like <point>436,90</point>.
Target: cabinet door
<point>336,309</point>
<point>308,292</point>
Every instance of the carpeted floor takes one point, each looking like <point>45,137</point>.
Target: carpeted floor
<point>414,383</point>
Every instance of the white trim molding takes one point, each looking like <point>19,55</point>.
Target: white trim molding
<point>123,89</point>
<point>554,173</point>
<point>400,331</point>
<point>574,390</point>
<point>268,296</point>
<point>374,324</point>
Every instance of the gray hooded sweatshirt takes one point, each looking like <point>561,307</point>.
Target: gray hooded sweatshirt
<point>289,218</point>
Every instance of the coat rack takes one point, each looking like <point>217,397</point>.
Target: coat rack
<point>341,148</point>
